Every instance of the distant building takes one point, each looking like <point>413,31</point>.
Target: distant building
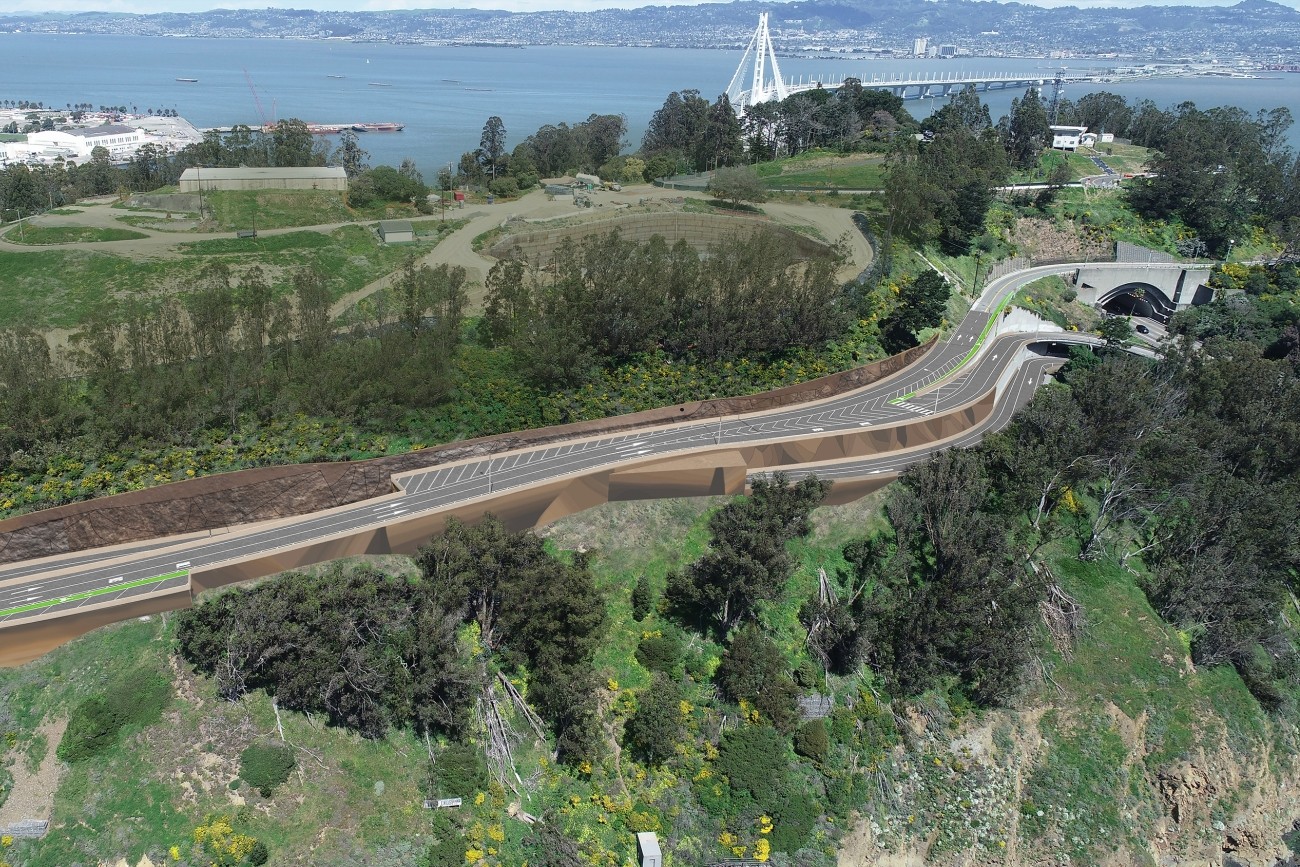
<point>309,178</point>
<point>918,47</point>
<point>396,231</point>
<point>1067,138</point>
<point>947,50</point>
<point>120,141</point>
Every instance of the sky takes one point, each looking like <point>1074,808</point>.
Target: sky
<point>147,6</point>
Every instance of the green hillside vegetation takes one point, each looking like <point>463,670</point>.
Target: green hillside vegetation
<point>38,235</point>
<point>821,170</point>
<point>275,209</point>
<point>67,288</point>
<point>1036,595</point>
<point>219,396</point>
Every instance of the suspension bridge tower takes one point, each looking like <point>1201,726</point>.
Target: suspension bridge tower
<point>761,89</point>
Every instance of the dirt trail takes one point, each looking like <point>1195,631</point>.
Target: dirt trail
<point>33,794</point>
<point>456,248</point>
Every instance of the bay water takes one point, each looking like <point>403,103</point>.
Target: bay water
<point>444,94</point>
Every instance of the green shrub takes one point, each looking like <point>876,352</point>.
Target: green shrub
<point>457,772</point>
<point>95,724</point>
<point>752,757</point>
<point>653,732</point>
<point>504,187</point>
<point>259,854</point>
<point>265,766</point>
<point>811,740</point>
<point>643,598</point>
<point>660,653</point>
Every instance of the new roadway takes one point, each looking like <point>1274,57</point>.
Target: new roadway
<point>973,361</point>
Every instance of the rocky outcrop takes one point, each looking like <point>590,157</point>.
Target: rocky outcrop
<point>1226,803</point>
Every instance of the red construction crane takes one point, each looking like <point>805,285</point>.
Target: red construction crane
<point>257,101</point>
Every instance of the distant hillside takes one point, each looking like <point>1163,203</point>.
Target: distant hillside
<point>1257,27</point>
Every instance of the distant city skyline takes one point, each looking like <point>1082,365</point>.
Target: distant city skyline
<point>26,7</point>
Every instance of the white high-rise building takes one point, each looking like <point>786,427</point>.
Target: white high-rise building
<point>918,46</point>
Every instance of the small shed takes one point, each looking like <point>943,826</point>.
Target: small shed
<point>591,182</point>
<point>396,231</point>
<point>647,845</point>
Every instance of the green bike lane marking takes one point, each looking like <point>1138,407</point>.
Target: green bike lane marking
<point>988,326</point>
<point>98,591</point>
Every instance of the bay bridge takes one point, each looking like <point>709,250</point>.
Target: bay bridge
<point>763,87</point>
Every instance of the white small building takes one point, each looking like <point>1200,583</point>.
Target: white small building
<point>120,141</point>
<point>396,231</point>
<point>1067,138</point>
<point>647,844</point>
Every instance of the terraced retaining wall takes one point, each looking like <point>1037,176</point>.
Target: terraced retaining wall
<point>225,500</point>
<point>701,231</point>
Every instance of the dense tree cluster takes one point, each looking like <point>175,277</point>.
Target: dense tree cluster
<point>922,303</point>
<point>368,650</point>
<point>940,189</point>
<point>1217,169</point>
<point>553,150</point>
<point>532,611</point>
<point>233,346</point>
<point>373,651</point>
<point>690,133</point>
<point>610,298</point>
<point>747,563</point>
<point>949,600</point>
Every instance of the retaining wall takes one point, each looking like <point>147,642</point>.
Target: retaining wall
<point>226,500</point>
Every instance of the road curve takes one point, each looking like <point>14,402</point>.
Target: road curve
<point>961,389</point>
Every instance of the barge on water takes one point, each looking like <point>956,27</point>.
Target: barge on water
<point>336,128</point>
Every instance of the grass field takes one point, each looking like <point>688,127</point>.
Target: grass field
<point>162,224</point>
<point>821,170</point>
<point>51,235</point>
<point>61,288</point>
<point>1051,299</point>
<point>285,209</point>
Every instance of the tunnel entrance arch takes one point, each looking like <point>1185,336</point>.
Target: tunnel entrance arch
<point>1137,299</point>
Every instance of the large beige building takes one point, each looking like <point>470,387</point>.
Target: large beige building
<point>310,178</point>
<point>120,141</point>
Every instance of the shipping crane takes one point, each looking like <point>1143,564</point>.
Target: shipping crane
<point>261,113</point>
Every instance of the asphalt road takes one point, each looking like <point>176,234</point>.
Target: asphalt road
<point>954,373</point>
